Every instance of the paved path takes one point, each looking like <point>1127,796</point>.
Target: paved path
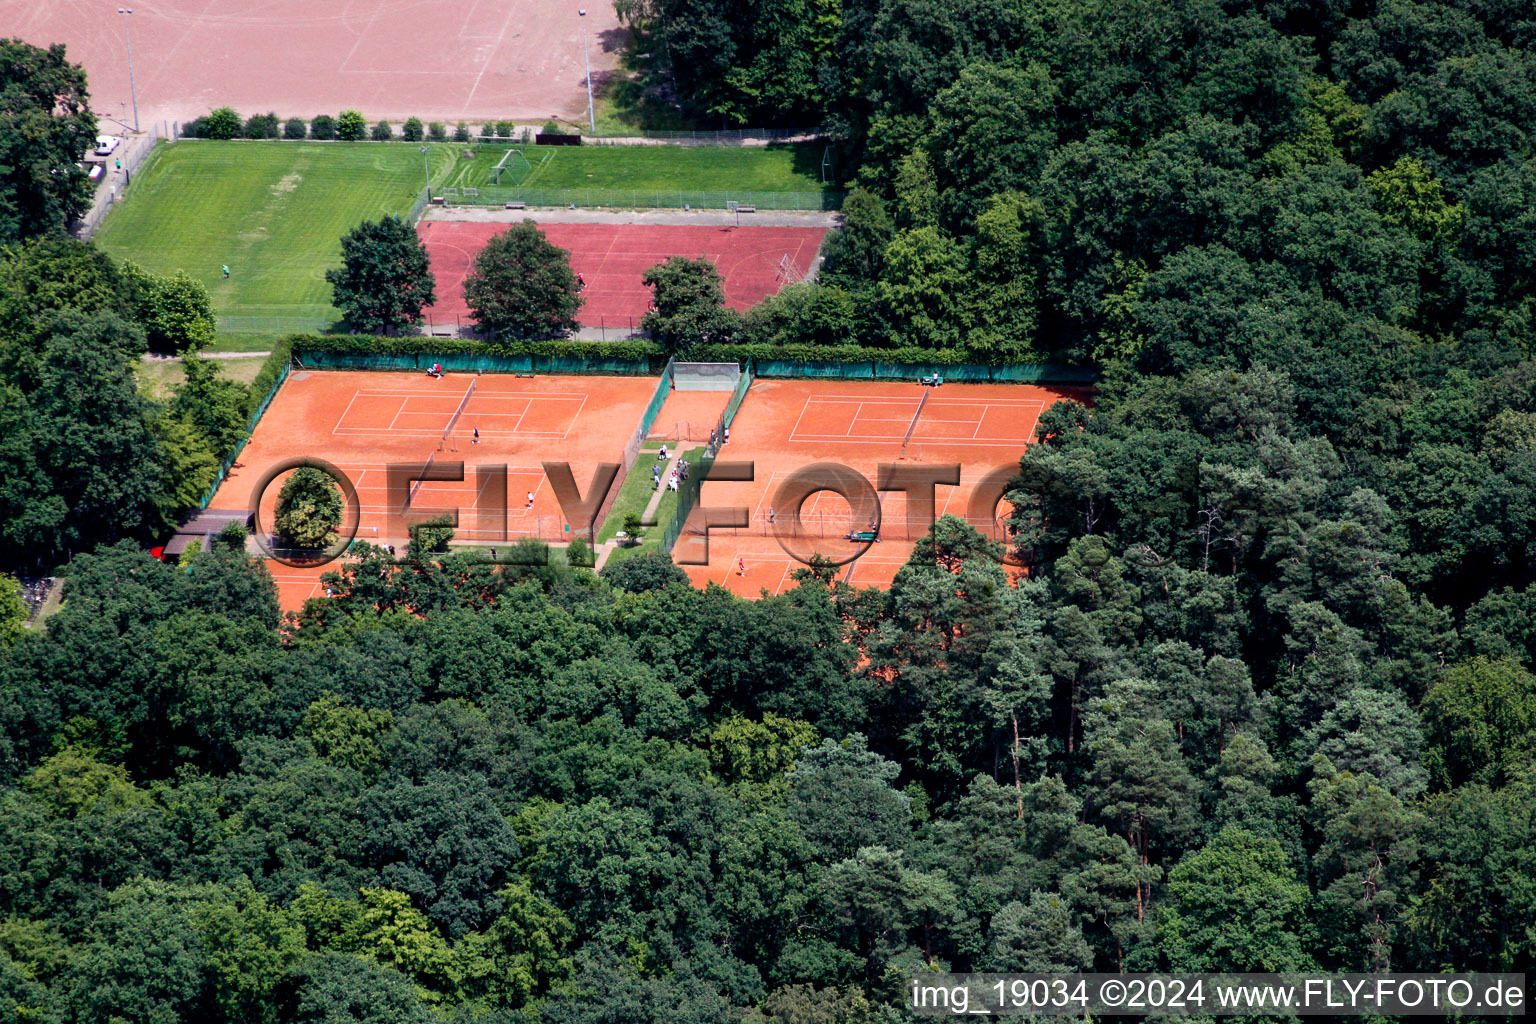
<point>706,218</point>
<point>152,357</point>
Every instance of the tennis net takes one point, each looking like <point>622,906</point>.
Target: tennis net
<point>454,420</point>
<point>913,425</point>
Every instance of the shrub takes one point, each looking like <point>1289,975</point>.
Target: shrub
<point>412,130</point>
<point>351,126</point>
<point>431,536</point>
<point>579,552</point>
<point>504,129</point>
<point>461,132</point>
<point>233,536</point>
<point>295,128</point>
<point>436,132</point>
<point>323,127</point>
<point>261,126</point>
<point>382,132</point>
<point>223,123</point>
<point>551,128</point>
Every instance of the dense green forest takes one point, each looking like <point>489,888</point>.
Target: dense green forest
<point>1265,699</point>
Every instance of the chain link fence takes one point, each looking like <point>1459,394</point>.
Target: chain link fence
<point>119,167</point>
<point>728,137</point>
<point>636,199</point>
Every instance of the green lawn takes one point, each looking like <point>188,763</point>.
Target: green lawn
<point>794,168</point>
<point>635,494</point>
<point>273,211</point>
<point>161,378</point>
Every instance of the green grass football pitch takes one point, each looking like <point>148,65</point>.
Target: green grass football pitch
<point>274,212</point>
<point>789,168</point>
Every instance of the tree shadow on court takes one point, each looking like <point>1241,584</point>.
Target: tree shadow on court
<point>616,40</point>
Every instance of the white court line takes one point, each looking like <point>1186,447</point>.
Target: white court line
<point>412,393</point>
<point>987,442</point>
<point>952,400</point>
<point>396,416</point>
<point>413,432</point>
<point>344,412</point>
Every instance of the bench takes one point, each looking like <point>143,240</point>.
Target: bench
<point>525,375</point>
<point>746,209</point>
<point>864,535</point>
<point>437,201</point>
<point>517,204</point>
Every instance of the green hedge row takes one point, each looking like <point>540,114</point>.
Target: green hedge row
<point>819,361</point>
<point>740,353</point>
<point>371,344</point>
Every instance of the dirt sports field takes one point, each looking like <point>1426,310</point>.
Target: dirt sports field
<point>360,421</point>
<point>784,425</point>
<point>444,60</point>
<point>612,257</point>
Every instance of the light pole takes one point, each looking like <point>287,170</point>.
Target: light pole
<point>591,113</point>
<point>133,89</point>
<point>427,170</point>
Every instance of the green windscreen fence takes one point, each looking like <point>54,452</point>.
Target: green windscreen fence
<point>476,363</point>
<point>645,199</point>
<point>837,369</point>
<point>250,428</point>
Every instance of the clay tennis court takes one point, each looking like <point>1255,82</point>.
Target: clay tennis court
<point>783,426</point>
<point>434,59</point>
<point>612,257</point>
<point>362,421</point>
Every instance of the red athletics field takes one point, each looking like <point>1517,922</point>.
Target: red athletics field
<point>783,426</point>
<point>440,60</point>
<point>611,258</point>
<point>361,421</point>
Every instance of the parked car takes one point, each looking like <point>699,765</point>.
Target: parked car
<point>105,144</point>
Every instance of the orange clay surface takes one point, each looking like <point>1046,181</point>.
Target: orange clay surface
<point>783,426</point>
<point>361,421</point>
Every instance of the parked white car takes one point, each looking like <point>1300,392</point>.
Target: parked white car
<point>105,144</point>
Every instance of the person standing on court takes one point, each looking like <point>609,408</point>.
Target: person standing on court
<point>530,499</point>
<point>476,439</point>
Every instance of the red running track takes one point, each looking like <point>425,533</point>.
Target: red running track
<point>612,257</point>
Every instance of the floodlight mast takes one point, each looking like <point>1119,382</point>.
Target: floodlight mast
<point>591,112</point>
<point>133,88</point>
